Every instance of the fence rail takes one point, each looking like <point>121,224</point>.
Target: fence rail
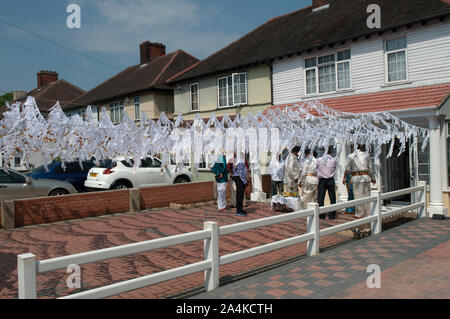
<point>29,267</point>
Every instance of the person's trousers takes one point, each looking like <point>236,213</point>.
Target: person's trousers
<point>276,187</point>
<point>233,195</point>
<point>240,190</point>
<point>361,190</point>
<point>327,184</point>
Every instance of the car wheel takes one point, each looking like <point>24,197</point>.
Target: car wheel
<point>181,180</point>
<point>58,192</point>
<point>121,185</point>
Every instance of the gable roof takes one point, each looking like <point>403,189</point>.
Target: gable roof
<point>58,91</point>
<point>391,100</point>
<point>304,30</point>
<point>152,75</point>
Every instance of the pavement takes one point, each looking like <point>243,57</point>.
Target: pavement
<point>76,236</point>
<point>414,260</point>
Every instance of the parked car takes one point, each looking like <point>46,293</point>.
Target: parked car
<point>120,175</point>
<point>14,185</point>
<point>73,173</point>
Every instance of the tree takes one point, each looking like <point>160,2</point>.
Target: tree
<point>6,97</point>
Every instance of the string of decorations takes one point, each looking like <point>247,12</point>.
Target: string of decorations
<point>23,130</point>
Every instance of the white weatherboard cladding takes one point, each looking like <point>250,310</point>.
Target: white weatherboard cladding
<point>429,54</point>
<point>428,57</point>
<point>368,65</point>
<point>288,80</point>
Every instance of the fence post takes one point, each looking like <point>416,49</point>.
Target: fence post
<point>312,223</point>
<point>423,198</point>
<point>376,211</point>
<point>26,269</point>
<point>212,254</point>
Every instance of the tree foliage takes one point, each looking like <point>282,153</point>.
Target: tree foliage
<point>6,97</point>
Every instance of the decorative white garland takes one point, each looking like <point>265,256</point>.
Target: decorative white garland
<point>23,129</point>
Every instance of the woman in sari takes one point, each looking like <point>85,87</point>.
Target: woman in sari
<point>221,173</point>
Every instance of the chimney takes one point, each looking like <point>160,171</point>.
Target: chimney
<point>45,77</point>
<point>319,4</point>
<point>151,50</point>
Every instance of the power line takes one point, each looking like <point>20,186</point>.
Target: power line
<point>53,59</point>
<point>57,44</point>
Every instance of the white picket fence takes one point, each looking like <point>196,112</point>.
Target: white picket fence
<point>28,266</point>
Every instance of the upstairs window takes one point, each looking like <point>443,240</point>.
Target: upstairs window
<point>328,73</point>
<point>137,108</point>
<point>395,51</point>
<point>194,97</point>
<point>116,109</point>
<point>232,90</point>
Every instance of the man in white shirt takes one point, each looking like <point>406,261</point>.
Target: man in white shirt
<point>277,176</point>
<point>326,168</point>
<point>308,179</point>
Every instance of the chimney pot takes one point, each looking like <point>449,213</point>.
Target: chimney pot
<point>45,77</point>
<point>151,50</point>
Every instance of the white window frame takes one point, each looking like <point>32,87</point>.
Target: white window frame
<point>137,102</point>
<point>386,64</point>
<point>232,91</point>
<point>198,97</point>
<point>317,66</point>
<point>116,105</point>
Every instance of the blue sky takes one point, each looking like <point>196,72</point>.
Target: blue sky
<point>111,31</point>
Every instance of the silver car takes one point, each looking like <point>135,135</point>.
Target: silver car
<point>14,185</point>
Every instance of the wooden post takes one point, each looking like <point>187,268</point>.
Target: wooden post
<point>313,227</point>
<point>212,253</point>
<point>26,269</point>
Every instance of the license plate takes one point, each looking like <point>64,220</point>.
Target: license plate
<point>93,174</point>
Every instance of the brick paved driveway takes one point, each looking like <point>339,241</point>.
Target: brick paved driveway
<point>48,241</point>
<point>414,259</point>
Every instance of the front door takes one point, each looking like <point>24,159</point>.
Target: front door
<point>397,173</point>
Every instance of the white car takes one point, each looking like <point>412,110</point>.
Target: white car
<point>120,175</point>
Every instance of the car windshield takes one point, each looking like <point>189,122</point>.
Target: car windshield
<point>41,169</point>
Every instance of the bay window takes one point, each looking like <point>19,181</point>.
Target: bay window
<point>232,90</point>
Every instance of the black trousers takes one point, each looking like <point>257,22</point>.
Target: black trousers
<point>276,187</point>
<point>240,193</point>
<point>327,184</point>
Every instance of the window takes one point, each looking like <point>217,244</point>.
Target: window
<point>116,111</point>
<point>137,108</point>
<point>396,60</point>
<point>232,90</point>
<point>194,97</point>
<point>11,178</point>
<point>328,73</point>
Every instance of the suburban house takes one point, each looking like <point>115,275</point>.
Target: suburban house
<point>139,88</point>
<point>50,89</point>
<point>332,52</point>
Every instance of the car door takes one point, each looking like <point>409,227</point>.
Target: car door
<point>155,177</point>
<point>76,175</point>
<point>14,186</point>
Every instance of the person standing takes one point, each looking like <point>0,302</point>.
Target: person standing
<point>221,174</point>
<point>292,171</point>
<point>308,180</point>
<point>233,189</point>
<point>326,168</point>
<point>240,174</point>
<point>277,176</point>
<point>360,167</point>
